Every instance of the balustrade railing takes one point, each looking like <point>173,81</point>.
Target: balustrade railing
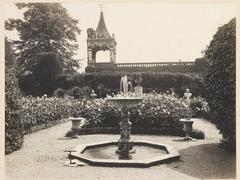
<point>151,66</point>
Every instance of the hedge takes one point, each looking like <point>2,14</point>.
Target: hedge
<point>159,82</point>
<point>13,125</point>
<point>220,80</point>
<point>108,83</point>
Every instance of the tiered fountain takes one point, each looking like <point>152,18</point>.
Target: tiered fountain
<point>127,152</point>
<point>125,143</point>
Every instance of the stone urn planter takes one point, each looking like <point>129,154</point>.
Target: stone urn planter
<point>75,125</point>
<point>187,127</point>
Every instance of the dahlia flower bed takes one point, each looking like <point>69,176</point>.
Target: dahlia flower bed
<point>161,111</point>
<point>43,110</point>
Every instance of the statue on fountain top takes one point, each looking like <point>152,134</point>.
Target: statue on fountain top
<point>125,86</point>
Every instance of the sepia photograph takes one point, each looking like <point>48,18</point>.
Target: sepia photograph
<point>120,90</point>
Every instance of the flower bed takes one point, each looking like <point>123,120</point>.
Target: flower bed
<point>159,111</point>
<point>40,112</point>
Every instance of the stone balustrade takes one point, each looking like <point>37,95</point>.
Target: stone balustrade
<point>141,67</point>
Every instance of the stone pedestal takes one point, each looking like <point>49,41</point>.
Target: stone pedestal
<point>125,143</point>
<point>75,126</point>
<point>187,128</point>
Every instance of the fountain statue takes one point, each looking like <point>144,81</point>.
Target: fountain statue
<point>123,101</point>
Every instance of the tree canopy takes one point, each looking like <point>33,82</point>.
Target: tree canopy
<point>45,27</point>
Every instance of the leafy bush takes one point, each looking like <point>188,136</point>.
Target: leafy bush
<point>59,93</point>
<point>42,110</point>
<point>200,108</point>
<point>44,76</point>
<point>160,82</point>
<point>220,80</point>
<point>200,64</point>
<point>198,134</point>
<point>157,110</point>
<point>77,92</point>
<point>13,125</point>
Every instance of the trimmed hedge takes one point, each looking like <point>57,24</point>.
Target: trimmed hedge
<point>13,125</point>
<point>159,82</point>
<point>220,80</point>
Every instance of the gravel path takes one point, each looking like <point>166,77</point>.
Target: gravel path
<point>43,157</point>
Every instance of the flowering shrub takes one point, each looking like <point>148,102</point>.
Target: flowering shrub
<point>200,108</point>
<point>77,92</point>
<point>157,110</point>
<point>59,93</point>
<point>41,110</point>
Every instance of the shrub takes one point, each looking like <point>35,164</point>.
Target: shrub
<point>42,110</point>
<point>157,110</point>
<point>200,64</point>
<point>13,125</point>
<point>200,108</point>
<point>160,82</point>
<point>45,76</point>
<point>198,134</point>
<point>220,81</point>
<point>59,93</point>
<point>77,92</point>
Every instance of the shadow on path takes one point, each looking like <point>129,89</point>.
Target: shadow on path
<point>206,161</point>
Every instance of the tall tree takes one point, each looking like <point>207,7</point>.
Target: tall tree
<point>45,27</point>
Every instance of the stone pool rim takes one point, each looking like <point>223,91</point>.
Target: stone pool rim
<point>172,154</point>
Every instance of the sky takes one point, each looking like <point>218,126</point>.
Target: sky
<point>147,32</point>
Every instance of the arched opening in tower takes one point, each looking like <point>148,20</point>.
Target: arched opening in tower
<point>103,56</point>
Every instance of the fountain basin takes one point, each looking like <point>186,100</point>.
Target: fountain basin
<point>124,101</point>
<point>103,154</point>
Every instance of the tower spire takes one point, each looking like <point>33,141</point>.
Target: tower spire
<point>101,30</point>
<point>101,7</point>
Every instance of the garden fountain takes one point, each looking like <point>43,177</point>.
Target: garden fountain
<point>124,152</point>
<point>125,143</point>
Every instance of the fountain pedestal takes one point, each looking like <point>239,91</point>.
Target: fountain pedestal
<point>125,143</point>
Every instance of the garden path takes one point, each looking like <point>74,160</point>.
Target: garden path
<point>42,157</point>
